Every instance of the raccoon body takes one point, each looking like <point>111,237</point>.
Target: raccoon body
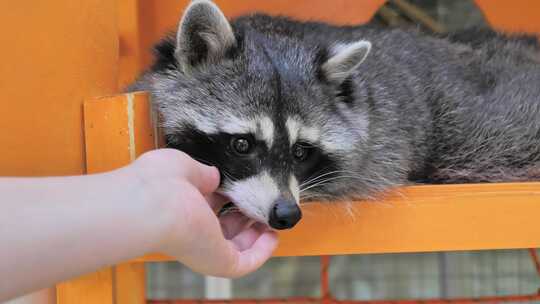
<point>292,110</point>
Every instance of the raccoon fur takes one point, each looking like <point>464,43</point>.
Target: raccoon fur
<point>291,110</point>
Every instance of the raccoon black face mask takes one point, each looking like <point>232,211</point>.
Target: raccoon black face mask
<point>292,110</point>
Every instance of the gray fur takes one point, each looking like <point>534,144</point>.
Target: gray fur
<point>422,108</point>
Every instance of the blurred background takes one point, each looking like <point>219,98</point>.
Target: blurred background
<point>361,277</point>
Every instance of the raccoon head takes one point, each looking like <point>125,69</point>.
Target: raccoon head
<point>272,113</point>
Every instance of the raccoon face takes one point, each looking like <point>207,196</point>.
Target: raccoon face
<point>267,112</point>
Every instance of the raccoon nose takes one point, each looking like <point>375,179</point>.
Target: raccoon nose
<point>284,215</point>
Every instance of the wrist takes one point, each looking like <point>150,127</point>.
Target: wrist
<point>142,208</point>
<point>154,204</point>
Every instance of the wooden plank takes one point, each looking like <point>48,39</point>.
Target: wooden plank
<point>421,219</point>
<point>418,219</point>
<point>130,277</point>
<point>107,134</point>
<point>93,288</point>
<point>130,283</point>
<point>117,130</point>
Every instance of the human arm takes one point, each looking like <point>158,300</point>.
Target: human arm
<point>52,229</point>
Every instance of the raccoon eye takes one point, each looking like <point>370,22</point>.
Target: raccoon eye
<point>300,151</point>
<point>241,145</point>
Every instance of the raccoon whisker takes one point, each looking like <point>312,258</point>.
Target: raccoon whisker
<point>351,212</point>
<point>317,196</point>
<point>325,181</point>
<point>312,180</point>
<point>332,209</point>
<point>311,177</point>
<point>322,175</point>
<point>318,184</point>
<point>228,175</point>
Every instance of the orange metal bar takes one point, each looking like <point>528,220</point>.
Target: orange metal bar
<point>491,300</point>
<point>536,261</point>
<point>326,296</point>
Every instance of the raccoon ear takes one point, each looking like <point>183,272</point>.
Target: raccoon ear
<point>344,59</point>
<point>204,35</point>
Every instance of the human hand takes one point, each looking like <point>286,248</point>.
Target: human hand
<point>183,189</point>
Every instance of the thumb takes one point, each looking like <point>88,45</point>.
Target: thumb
<point>203,177</point>
<point>224,258</point>
<point>249,259</point>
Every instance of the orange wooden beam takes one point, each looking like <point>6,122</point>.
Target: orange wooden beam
<point>87,289</point>
<point>117,130</point>
<point>419,219</point>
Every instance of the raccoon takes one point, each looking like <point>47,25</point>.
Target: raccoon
<point>291,110</point>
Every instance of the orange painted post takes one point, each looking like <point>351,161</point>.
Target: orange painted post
<point>130,48</point>
<point>130,283</point>
<point>88,289</point>
<point>117,130</point>
<point>54,55</point>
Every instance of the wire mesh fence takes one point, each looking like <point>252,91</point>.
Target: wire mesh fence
<point>484,276</point>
